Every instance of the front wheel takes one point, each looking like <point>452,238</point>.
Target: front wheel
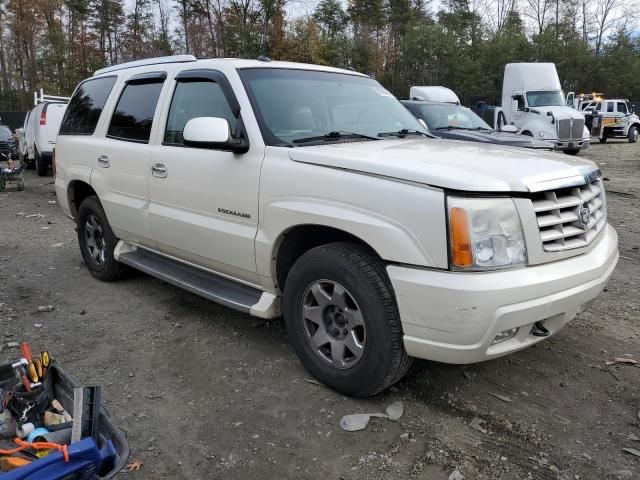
<point>97,241</point>
<point>633,134</point>
<point>343,321</point>
<point>572,151</point>
<point>603,140</point>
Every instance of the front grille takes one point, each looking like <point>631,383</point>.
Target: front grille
<point>562,217</point>
<point>5,147</point>
<point>567,131</point>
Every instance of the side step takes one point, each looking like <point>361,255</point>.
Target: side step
<point>208,285</point>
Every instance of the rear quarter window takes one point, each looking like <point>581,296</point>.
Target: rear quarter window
<point>86,106</point>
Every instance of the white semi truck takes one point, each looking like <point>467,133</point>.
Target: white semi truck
<point>533,101</point>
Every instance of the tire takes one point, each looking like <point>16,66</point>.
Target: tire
<point>371,316</point>
<point>97,242</point>
<point>603,140</point>
<point>572,151</point>
<point>42,166</point>
<point>633,134</point>
<point>527,133</point>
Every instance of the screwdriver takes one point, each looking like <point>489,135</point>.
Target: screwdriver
<point>46,362</point>
<point>25,349</point>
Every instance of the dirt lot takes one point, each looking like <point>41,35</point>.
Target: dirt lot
<point>205,392</point>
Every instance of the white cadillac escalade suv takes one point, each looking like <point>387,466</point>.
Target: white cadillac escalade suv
<point>311,192</point>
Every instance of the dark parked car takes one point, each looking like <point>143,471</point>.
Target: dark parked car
<point>455,122</point>
<point>8,144</point>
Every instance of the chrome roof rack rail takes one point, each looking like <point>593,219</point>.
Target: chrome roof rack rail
<point>147,61</point>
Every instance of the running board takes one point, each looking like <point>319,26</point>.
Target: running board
<point>208,285</point>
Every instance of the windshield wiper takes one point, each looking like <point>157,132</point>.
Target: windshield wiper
<point>336,135</point>
<point>403,133</point>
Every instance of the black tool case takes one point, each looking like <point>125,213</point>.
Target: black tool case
<point>63,387</point>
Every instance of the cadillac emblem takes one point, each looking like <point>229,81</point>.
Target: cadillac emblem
<point>584,216</point>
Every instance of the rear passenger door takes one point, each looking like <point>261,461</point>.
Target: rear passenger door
<point>204,201</point>
<point>122,158</point>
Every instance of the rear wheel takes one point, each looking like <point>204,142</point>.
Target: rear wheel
<point>342,319</point>
<point>572,151</point>
<point>603,140</point>
<point>633,134</point>
<point>97,241</point>
<point>42,166</point>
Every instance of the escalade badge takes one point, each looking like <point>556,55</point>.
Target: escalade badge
<point>584,217</point>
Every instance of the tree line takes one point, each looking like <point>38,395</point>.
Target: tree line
<point>463,44</point>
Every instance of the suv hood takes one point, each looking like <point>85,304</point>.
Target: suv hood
<point>493,136</point>
<point>559,111</point>
<point>465,166</point>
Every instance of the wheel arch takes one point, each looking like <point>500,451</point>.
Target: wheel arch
<point>299,239</point>
<point>77,191</point>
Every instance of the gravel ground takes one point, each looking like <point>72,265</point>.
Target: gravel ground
<point>206,392</point>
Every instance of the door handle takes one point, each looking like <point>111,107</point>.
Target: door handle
<point>159,170</point>
<point>103,161</point>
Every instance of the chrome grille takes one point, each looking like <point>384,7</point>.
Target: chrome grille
<point>567,131</point>
<point>562,215</point>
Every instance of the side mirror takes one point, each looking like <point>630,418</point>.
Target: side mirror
<point>205,131</point>
<point>214,133</point>
<point>509,129</point>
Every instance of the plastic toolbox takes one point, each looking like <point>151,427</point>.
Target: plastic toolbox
<point>63,387</point>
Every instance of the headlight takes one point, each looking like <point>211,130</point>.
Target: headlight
<point>485,234</point>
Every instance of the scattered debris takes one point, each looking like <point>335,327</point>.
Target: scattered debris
<point>314,382</point>
<point>504,398</point>
<point>395,410</point>
<point>45,308</point>
<point>629,361</point>
<point>477,423</point>
<point>456,475</point>
<point>134,465</point>
<point>358,421</point>
<point>633,437</point>
<point>35,215</point>
<point>37,325</point>
<point>13,345</point>
<point>632,451</point>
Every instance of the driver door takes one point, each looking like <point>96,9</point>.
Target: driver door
<point>204,201</point>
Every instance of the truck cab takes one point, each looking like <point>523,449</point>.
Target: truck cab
<point>533,101</point>
<point>619,120</point>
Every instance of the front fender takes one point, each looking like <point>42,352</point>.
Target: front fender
<point>391,240</point>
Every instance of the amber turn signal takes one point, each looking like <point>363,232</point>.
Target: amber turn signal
<point>461,254</point>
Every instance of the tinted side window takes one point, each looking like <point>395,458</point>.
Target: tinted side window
<point>85,107</point>
<point>133,116</point>
<point>622,107</point>
<point>598,106</point>
<point>192,99</point>
<point>610,106</point>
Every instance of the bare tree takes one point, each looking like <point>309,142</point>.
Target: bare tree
<point>537,10</point>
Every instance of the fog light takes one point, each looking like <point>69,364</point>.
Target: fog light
<point>505,335</point>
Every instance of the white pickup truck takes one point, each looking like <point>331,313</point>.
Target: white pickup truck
<point>281,188</point>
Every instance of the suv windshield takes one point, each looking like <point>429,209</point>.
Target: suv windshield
<point>445,115</point>
<point>545,98</point>
<point>5,133</point>
<point>303,107</point>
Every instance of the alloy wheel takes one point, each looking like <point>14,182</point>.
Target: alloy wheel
<point>333,324</point>
<point>94,240</point>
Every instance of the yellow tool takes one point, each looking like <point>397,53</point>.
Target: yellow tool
<point>38,364</point>
<point>46,362</point>
<point>32,373</point>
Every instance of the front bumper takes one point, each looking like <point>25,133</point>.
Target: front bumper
<point>557,144</point>
<point>454,317</point>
